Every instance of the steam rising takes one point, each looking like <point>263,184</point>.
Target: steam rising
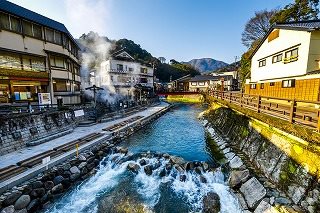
<point>93,15</point>
<point>96,50</point>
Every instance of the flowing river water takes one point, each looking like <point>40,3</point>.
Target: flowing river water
<point>113,187</point>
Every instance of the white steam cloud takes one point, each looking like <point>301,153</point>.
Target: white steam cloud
<point>93,15</point>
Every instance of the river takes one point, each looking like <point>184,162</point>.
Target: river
<point>178,132</point>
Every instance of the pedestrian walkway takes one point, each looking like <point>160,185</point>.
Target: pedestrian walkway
<point>25,153</point>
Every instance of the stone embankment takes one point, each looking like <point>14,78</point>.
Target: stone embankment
<point>263,176</point>
<point>38,193</point>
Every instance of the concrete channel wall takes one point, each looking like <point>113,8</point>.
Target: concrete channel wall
<point>284,168</point>
<point>34,190</point>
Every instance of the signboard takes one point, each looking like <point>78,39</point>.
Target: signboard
<point>44,98</point>
<point>78,113</point>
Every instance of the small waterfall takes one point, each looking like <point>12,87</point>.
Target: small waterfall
<point>185,187</point>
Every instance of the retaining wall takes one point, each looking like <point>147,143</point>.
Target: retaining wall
<point>18,131</point>
<point>289,164</point>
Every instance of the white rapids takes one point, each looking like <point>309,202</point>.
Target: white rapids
<point>85,197</point>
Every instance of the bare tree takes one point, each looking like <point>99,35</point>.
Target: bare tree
<point>257,27</point>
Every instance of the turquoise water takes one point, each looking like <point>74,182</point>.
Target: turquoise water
<point>178,132</point>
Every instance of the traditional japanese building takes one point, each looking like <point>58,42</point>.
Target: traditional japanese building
<point>127,76</point>
<point>37,55</point>
<point>286,62</point>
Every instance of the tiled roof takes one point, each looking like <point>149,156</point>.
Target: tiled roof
<point>300,25</point>
<point>202,78</point>
<point>24,13</point>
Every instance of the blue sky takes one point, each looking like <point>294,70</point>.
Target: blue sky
<point>179,29</point>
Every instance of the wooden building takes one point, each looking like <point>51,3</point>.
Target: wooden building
<point>286,62</point>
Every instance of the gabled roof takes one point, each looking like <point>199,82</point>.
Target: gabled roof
<point>184,78</point>
<point>310,25</point>
<point>11,8</point>
<point>210,77</point>
<point>122,54</point>
<point>300,25</point>
<point>202,78</point>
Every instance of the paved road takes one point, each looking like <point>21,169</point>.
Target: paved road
<point>14,157</point>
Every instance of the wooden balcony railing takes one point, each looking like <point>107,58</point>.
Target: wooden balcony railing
<point>302,112</point>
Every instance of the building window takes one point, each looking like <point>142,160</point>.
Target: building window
<point>277,58</point>
<point>76,70</point>
<point>119,67</point>
<point>289,83</point>
<point>144,70</point>
<point>262,63</point>
<point>76,86</point>
<point>10,61</point>
<point>15,24</point>
<point>37,31</point>
<point>49,35</point>
<point>61,85</point>
<point>4,21</point>
<point>291,56</point>
<point>27,28</point>
<point>201,83</point>
<point>253,86</point>
<point>56,61</point>
<point>262,86</point>
<point>143,80</point>
<point>131,69</point>
<point>193,83</point>
<point>272,84</point>
<point>57,37</point>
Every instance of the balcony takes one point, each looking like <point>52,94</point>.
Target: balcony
<point>118,71</point>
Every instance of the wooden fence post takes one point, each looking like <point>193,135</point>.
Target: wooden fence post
<point>241,98</point>
<point>318,127</point>
<point>258,103</point>
<point>230,96</point>
<point>292,110</point>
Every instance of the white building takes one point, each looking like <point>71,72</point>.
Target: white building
<point>286,62</point>
<point>127,76</point>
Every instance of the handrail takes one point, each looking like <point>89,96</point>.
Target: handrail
<point>307,115</point>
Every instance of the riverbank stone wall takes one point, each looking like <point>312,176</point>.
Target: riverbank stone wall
<point>280,180</point>
<point>19,131</point>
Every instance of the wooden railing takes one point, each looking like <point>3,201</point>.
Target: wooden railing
<point>296,111</point>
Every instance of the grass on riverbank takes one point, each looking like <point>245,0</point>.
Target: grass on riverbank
<point>304,133</point>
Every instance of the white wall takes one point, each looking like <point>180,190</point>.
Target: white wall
<point>109,68</point>
<point>286,39</point>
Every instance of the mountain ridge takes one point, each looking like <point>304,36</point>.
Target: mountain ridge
<point>205,65</point>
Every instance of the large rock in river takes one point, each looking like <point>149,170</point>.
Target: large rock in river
<point>211,203</point>
<point>133,167</point>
